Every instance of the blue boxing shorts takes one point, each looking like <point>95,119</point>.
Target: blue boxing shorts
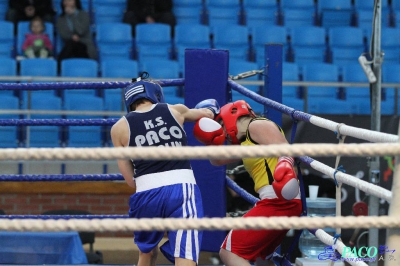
<point>172,201</point>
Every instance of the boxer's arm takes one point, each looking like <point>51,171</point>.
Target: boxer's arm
<point>119,133</point>
<point>192,115</point>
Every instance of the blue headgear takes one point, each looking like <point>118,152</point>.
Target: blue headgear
<point>143,89</point>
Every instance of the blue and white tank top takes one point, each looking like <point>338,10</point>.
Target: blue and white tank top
<point>157,128</point>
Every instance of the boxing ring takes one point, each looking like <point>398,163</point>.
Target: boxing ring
<point>209,69</point>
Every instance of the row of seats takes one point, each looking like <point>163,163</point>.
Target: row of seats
<point>301,44</point>
<point>321,100</point>
<point>324,13</point>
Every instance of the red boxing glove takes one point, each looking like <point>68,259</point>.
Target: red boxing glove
<point>208,132</point>
<point>285,185</point>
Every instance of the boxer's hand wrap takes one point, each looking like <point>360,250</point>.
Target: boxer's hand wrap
<point>285,185</point>
<point>208,132</point>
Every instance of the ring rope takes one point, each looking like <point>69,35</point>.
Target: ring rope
<point>82,85</point>
<point>201,152</point>
<point>212,224</point>
<point>58,122</point>
<point>359,133</point>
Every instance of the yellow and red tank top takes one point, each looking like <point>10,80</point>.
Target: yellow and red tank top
<point>260,169</point>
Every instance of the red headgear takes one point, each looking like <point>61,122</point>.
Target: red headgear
<point>230,113</point>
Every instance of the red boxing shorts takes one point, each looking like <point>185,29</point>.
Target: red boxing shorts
<point>253,244</point>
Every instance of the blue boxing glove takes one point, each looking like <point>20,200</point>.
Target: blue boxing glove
<point>211,104</point>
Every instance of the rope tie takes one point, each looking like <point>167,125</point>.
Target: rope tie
<point>341,169</point>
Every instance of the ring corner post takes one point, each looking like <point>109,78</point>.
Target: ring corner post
<point>273,79</point>
<point>206,76</point>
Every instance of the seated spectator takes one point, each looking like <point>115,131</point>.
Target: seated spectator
<point>73,26</point>
<point>37,43</point>
<point>144,11</point>
<point>25,10</point>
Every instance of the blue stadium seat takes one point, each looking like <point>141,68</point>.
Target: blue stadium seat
<point>37,67</point>
<point>239,66</point>
<point>222,12</point>
<point>188,11</point>
<point>3,9</point>
<point>298,4</point>
<point>8,67</point>
<point>345,42</point>
<point>308,43</point>
<point>390,75</point>
<point>122,68</point>
<point>190,36</point>
<point>108,11</point>
<point>84,136</point>
<point>256,12</point>
<point>324,100</point>
<point>267,34</point>
<point>79,67</point>
<point>164,69</point>
<point>390,40</point>
<point>335,13</point>
<point>86,5</point>
<point>9,136</point>
<point>298,17</point>
<point>6,39</point>
<point>291,95</point>
<point>114,40</point>
<point>234,38</point>
<point>153,41</point>
<point>364,18</point>
<point>23,28</point>
<point>45,136</point>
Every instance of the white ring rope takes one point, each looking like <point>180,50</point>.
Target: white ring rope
<point>208,152</point>
<point>212,224</point>
<point>359,133</point>
<point>330,241</point>
<point>362,185</point>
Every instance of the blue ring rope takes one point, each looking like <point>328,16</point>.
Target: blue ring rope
<point>81,85</point>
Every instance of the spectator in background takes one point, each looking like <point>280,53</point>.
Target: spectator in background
<point>25,10</point>
<point>73,26</point>
<point>149,11</point>
<point>37,43</point>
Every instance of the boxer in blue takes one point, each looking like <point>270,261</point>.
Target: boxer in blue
<point>163,188</point>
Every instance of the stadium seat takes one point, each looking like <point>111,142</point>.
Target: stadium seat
<point>153,41</point>
<point>190,36</point>
<point>298,17</point>
<point>9,136</point>
<point>236,67</point>
<point>335,13</point>
<point>108,11</point>
<point>345,42</point>
<point>390,75</point>
<point>267,34</point>
<point>188,11</point>
<point>6,39</point>
<point>364,18</point>
<point>291,95</point>
<point>86,5</point>
<point>3,9</point>
<point>122,68</point>
<point>37,67</point>
<point>308,43</point>
<point>8,67</point>
<point>23,28</point>
<point>114,40</point>
<point>256,12</point>
<point>298,4</point>
<point>164,69</point>
<point>88,68</point>
<point>44,136</point>
<point>222,12</point>
<point>234,38</point>
<point>390,40</point>
<point>84,136</point>
<point>324,100</point>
